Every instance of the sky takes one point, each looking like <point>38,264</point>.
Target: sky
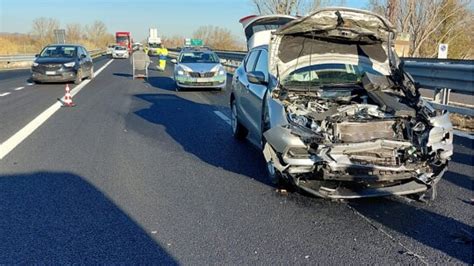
<point>171,17</point>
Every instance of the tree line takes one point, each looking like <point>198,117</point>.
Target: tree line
<point>213,36</point>
<point>92,36</point>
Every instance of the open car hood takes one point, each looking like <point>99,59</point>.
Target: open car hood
<point>258,29</point>
<point>331,35</point>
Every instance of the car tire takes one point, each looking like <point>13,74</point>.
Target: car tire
<point>78,78</point>
<point>238,130</point>
<point>91,73</point>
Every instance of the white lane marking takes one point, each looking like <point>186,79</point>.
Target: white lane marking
<point>4,94</point>
<point>463,134</point>
<point>223,117</point>
<point>10,144</point>
<point>19,88</point>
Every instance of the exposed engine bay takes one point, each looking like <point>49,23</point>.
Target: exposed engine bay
<point>372,135</point>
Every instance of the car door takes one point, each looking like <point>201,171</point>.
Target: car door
<point>241,89</point>
<point>87,60</point>
<point>81,60</point>
<point>255,96</point>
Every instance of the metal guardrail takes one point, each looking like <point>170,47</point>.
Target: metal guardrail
<point>443,76</point>
<point>31,57</point>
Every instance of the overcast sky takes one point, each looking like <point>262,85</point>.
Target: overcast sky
<point>180,17</point>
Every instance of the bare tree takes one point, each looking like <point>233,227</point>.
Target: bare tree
<point>285,7</point>
<point>97,34</point>
<point>293,7</point>
<point>43,30</point>
<point>173,41</point>
<point>217,38</point>
<point>426,22</point>
<point>74,33</point>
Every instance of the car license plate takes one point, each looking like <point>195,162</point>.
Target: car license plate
<point>50,72</point>
<point>202,80</point>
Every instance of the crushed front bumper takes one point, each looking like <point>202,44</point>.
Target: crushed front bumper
<point>334,172</point>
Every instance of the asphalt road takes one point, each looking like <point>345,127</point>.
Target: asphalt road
<point>138,172</point>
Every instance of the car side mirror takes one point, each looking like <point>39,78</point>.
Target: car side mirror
<point>37,55</point>
<point>174,61</point>
<point>257,77</point>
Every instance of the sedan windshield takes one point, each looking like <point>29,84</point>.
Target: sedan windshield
<point>327,74</point>
<point>59,51</point>
<point>199,57</point>
<point>120,48</point>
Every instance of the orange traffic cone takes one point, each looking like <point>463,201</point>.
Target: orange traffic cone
<point>68,98</point>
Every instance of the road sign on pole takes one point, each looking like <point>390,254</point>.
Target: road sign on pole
<point>60,36</point>
<point>443,51</point>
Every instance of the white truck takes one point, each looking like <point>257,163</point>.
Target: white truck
<point>154,42</point>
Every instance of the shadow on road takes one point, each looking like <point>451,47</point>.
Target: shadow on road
<point>460,180</point>
<point>60,218</point>
<point>125,75</point>
<point>201,133</point>
<point>428,228</point>
<point>162,82</point>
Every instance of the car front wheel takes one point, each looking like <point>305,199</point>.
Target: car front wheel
<point>78,79</point>
<point>238,131</point>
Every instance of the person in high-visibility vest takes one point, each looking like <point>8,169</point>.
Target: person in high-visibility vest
<point>163,54</point>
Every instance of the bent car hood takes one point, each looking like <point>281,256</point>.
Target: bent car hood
<point>356,36</point>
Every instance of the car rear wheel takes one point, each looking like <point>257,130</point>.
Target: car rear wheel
<point>78,79</point>
<point>238,131</point>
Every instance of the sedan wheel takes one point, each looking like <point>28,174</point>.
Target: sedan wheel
<point>238,131</point>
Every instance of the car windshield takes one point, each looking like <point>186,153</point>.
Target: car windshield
<point>120,48</point>
<point>327,74</point>
<point>199,57</point>
<point>59,51</point>
<point>154,45</point>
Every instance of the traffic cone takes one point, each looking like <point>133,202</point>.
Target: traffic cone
<point>68,98</point>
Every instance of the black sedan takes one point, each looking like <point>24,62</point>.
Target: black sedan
<point>62,63</point>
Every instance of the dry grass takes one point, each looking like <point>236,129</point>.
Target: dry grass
<point>463,122</point>
<point>12,45</point>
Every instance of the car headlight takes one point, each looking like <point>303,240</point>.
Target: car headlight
<point>182,70</point>
<point>35,64</point>
<point>70,64</point>
<point>185,68</point>
<point>219,69</point>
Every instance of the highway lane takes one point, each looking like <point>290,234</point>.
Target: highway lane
<point>20,106</point>
<point>140,172</point>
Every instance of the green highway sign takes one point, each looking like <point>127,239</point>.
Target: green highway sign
<point>197,42</point>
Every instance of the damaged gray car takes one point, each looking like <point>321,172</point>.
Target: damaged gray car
<point>328,101</point>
